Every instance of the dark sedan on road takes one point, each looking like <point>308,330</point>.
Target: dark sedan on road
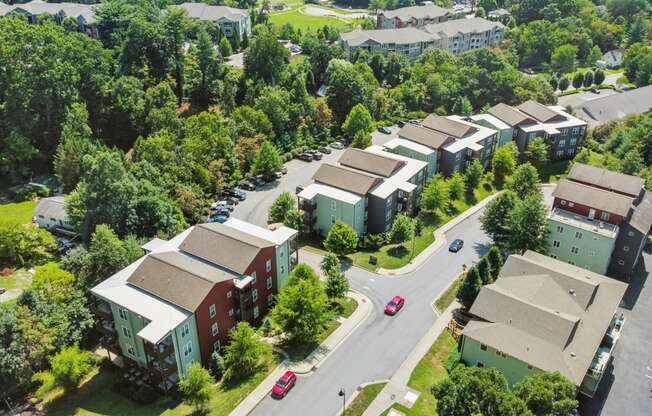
<point>394,305</point>
<point>384,130</point>
<point>456,245</point>
<point>284,384</point>
<point>247,185</point>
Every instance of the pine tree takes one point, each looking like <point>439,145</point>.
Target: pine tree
<point>470,287</point>
<point>484,269</point>
<point>495,260</point>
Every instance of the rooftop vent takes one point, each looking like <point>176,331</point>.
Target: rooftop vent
<point>572,292</point>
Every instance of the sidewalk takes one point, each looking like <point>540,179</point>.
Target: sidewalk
<point>314,360</point>
<point>440,240</point>
<point>396,389</point>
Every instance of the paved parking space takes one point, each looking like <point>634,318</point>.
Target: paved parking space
<point>255,208</point>
<point>627,388</point>
<point>382,138</point>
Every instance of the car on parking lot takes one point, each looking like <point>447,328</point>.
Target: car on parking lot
<point>337,145</point>
<point>284,384</point>
<point>284,170</point>
<point>234,193</point>
<point>278,175</point>
<point>247,185</point>
<point>401,123</point>
<point>384,130</point>
<point>221,205</point>
<point>456,245</point>
<point>298,189</point>
<point>2,290</point>
<point>325,150</point>
<point>65,245</point>
<point>231,200</point>
<point>221,218</point>
<point>306,157</point>
<point>316,155</point>
<point>259,181</point>
<point>394,305</point>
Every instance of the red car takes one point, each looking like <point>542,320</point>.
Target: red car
<point>284,384</point>
<point>394,305</point>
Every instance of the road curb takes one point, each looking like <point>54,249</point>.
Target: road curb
<point>357,391</point>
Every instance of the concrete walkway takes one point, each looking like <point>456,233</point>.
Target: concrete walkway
<point>311,363</point>
<point>440,240</point>
<point>397,391</point>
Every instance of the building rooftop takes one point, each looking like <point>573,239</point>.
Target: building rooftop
<point>403,36</point>
<point>579,221</point>
<point>424,136</point>
<point>409,144</point>
<point>616,106</point>
<point>606,179</point>
<point>204,11</point>
<point>510,115</point>
<point>38,7</point>
<point>463,26</point>
<point>546,313</point>
<point>642,216</point>
<point>494,121</point>
<point>347,179</point>
<point>540,112</point>
<point>400,179</point>
<point>314,189</point>
<point>279,235</point>
<point>430,11</point>
<point>593,197</point>
<point>52,207</point>
<point>477,133</point>
<point>370,162</point>
<point>449,126</point>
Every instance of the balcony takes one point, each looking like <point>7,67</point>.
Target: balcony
<point>106,327</point>
<point>602,357</point>
<point>307,205</point>
<point>102,309</point>
<point>161,351</point>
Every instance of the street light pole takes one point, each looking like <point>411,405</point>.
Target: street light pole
<point>342,394</point>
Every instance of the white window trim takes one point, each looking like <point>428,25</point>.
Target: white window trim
<point>212,310</point>
<point>269,282</point>
<point>254,295</point>
<point>215,329</point>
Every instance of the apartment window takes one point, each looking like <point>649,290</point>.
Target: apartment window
<point>626,248</point>
<point>269,282</point>
<point>256,312</point>
<point>282,269</point>
<point>573,141</point>
<point>126,332</point>
<point>270,299</point>
<point>130,350</point>
<point>555,243</point>
<point>630,233</point>
<point>564,132</point>
<point>578,235</point>
<point>253,276</point>
<point>215,329</point>
<point>621,262</point>
<point>560,229</point>
<point>483,347</point>
<point>185,330</point>
<point>570,152</point>
<point>563,202</point>
<point>576,130</point>
<point>212,311</point>
<point>571,204</point>
<point>123,313</point>
<point>187,349</point>
<point>254,295</point>
<point>229,294</point>
<point>575,250</point>
<point>480,364</point>
<point>604,216</point>
<point>333,205</point>
<point>268,266</point>
<point>332,219</point>
<point>216,345</point>
<point>592,253</point>
<point>458,156</point>
<point>560,153</point>
<point>561,143</point>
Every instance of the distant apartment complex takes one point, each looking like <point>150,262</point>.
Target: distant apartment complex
<point>84,14</point>
<point>415,16</point>
<point>232,22</point>
<point>50,213</point>
<point>600,220</point>
<point>366,189</point>
<point>455,36</point>
<point>542,315</point>
<point>176,305</point>
<point>562,132</point>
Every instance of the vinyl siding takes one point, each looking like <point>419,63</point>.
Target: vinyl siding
<point>594,250</point>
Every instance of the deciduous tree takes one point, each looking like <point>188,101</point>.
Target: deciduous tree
<point>342,239</point>
<point>245,352</point>
<point>494,219</point>
<point>281,207</point>
<point>473,175</point>
<point>302,310</point>
<point>525,181</point>
<point>196,387</point>
<point>504,162</point>
<point>435,195</point>
<point>528,226</point>
<point>267,161</point>
<point>402,229</point>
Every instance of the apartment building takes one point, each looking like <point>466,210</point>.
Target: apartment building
<point>233,22</point>
<point>562,132</point>
<point>176,305</point>
<point>461,35</point>
<point>415,16</point>
<point>50,213</point>
<point>366,189</point>
<point>600,220</point>
<point>84,14</point>
<point>409,42</point>
<point>541,315</point>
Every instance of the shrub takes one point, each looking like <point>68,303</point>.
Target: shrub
<point>454,359</point>
<point>216,365</point>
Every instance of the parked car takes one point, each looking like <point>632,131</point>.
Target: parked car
<point>231,200</point>
<point>298,190</point>
<point>284,170</point>
<point>306,157</point>
<point>234,193</point>
<point>221,211</point>
<point>221,205</point>
<point>384,130</point>
<point>2,290</point>
<point>316,155</point>
<point>65,246</point>
<point>247,185</point>
<point>337,145</point>
<point>456,245</point>
<point>394,305</point>
<point>221,218</point>
<point>401,123</point>
<point>325,150</point>
<point>278,174</point>
<point>284,384</point>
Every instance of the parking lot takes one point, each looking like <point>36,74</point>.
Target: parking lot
<point>627,388</point>
<point>299,173</point>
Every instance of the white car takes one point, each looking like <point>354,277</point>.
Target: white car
<point>337,145</point>
<point>221,204</point>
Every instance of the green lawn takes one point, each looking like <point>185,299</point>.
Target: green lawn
<point>20,279</point>
<point>306,22</point>
<point>17,212</point>
<point>429,371</point>
<point>345,307</point>
<point>448,296</point>
<point>393,256</point>
<point>364,399</point>
<point>97,398</point>
<point>299,351</point>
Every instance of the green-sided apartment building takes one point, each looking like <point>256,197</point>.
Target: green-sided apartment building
<point>366,189</point>
<point>543,314</point>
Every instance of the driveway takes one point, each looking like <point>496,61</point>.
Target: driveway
<point>576,100</point>
<point>626,390</point>
<point>382,138</point>
<point>255,208</point>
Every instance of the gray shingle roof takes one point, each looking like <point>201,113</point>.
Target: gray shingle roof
<point>204,11</point>
<point>427,137</point>
<point>346,178</point>
<point>546,313</point>
<point>642,215</point>
<point>540,111</point>
<point>616,106</point>
<point>38,7</point>
<point>464,26</point>
<point>404,36</point>
<point>593,197</point>
<point>606,179</point>
<point>370,162</point>
<point>52,207</point>
<point>448,126</point>
<point>510,115</point>
<point>418,12</point>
